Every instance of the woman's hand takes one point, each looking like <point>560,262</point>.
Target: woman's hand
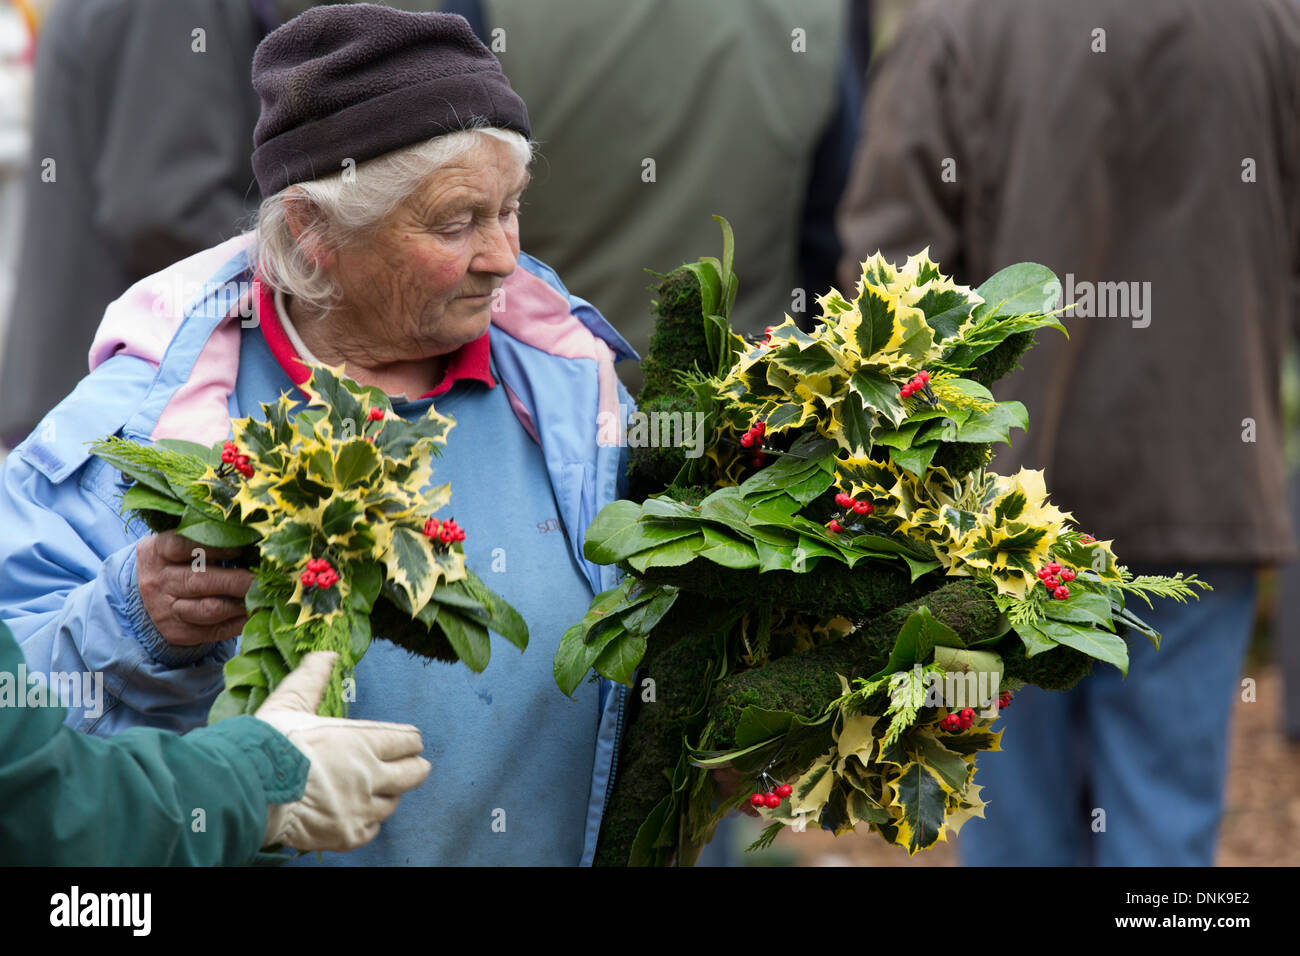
<point>190,597</point>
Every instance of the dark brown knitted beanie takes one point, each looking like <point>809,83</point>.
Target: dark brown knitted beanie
<point>357,80</point>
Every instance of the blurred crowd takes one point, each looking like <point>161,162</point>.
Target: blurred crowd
<point>1151,148</point>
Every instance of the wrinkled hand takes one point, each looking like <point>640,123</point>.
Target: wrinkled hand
<point>359,768</point>
<point>190,606</point>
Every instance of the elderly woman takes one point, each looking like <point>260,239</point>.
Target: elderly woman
<point>392,155</point>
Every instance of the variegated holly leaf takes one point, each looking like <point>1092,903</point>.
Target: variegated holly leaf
<point>920,796</point>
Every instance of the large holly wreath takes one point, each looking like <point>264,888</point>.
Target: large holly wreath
<point>334,506</point>
<point>808,601</point>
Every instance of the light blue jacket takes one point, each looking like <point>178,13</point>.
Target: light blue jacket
<point>164,365</point>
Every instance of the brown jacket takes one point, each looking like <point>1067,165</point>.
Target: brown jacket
<point>1162,157</point>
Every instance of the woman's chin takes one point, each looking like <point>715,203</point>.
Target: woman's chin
<point>461,328</point>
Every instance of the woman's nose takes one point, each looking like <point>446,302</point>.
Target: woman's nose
<point>497,254</point>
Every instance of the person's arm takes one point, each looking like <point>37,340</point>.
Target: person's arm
<point>906,188</point>
<point>212,797</point>
<point>145,798</point>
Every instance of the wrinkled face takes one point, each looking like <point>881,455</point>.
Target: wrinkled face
<point>423,284</point>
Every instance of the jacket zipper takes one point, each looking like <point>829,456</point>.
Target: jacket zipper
<point>618,745</point>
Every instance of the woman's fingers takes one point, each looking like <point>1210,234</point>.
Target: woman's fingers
<point>176,548</point>
<point>190,602</point>
<point>207,611</point>
<point>185,581</point>
<point>187,635</point>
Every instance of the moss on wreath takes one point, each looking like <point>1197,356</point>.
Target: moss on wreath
<point>830,590</point>
<point>677,660</point>
<point>960,458</point>
<point>652,468</point>
<point>997,362</point>
<point>389,623</point>
<point>677,343</point>
<point>1058,669</point>
<point>805,683</point>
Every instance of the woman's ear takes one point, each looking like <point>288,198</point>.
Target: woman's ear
<point>308,227</point>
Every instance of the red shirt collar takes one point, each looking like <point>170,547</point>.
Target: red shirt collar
<point>469,362</point>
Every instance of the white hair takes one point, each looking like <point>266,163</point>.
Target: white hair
<point>349,207</point>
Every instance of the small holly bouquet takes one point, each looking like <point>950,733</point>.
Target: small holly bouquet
<point>334,506</point>
<point>836,598</point>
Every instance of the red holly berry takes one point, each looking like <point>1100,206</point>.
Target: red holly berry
<point>773,801</point>
<point>1043,573</point>
<point>834,526</point>
<point>758,800</point>
<point>1061,593</point>
<point>1087,539</point>
<point>1054,567</point>
<point>327,579</point>
<point>965,723</point>
<point>376,414</point>
<point>967,713</point>
<point>906,391</point>
<point>923,377</point>
<point>784,790</point>
<point>746,440</point>
<point>1052,582</point>
<point>245,469</point>
<point>843,500</point>
<point>431,528</point>
<point>308,579</point>
<point>760,428</point>
<point>1067,574</point>
<point>228,456</point>
<point>863,507</point>
<point>1004,700</point>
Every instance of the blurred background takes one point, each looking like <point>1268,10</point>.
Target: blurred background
<point>794,121</point>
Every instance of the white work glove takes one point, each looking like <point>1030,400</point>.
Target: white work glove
<point>359,768</point>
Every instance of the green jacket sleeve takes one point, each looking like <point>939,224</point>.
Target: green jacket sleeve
<point>143,798</point>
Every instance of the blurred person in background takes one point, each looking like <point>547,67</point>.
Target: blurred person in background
<point>1155,146</point>
<point>18,25</point>
<point>142,121</point>
<point>666,112</point>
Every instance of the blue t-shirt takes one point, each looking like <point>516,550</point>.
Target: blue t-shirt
<point>512,756</point>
